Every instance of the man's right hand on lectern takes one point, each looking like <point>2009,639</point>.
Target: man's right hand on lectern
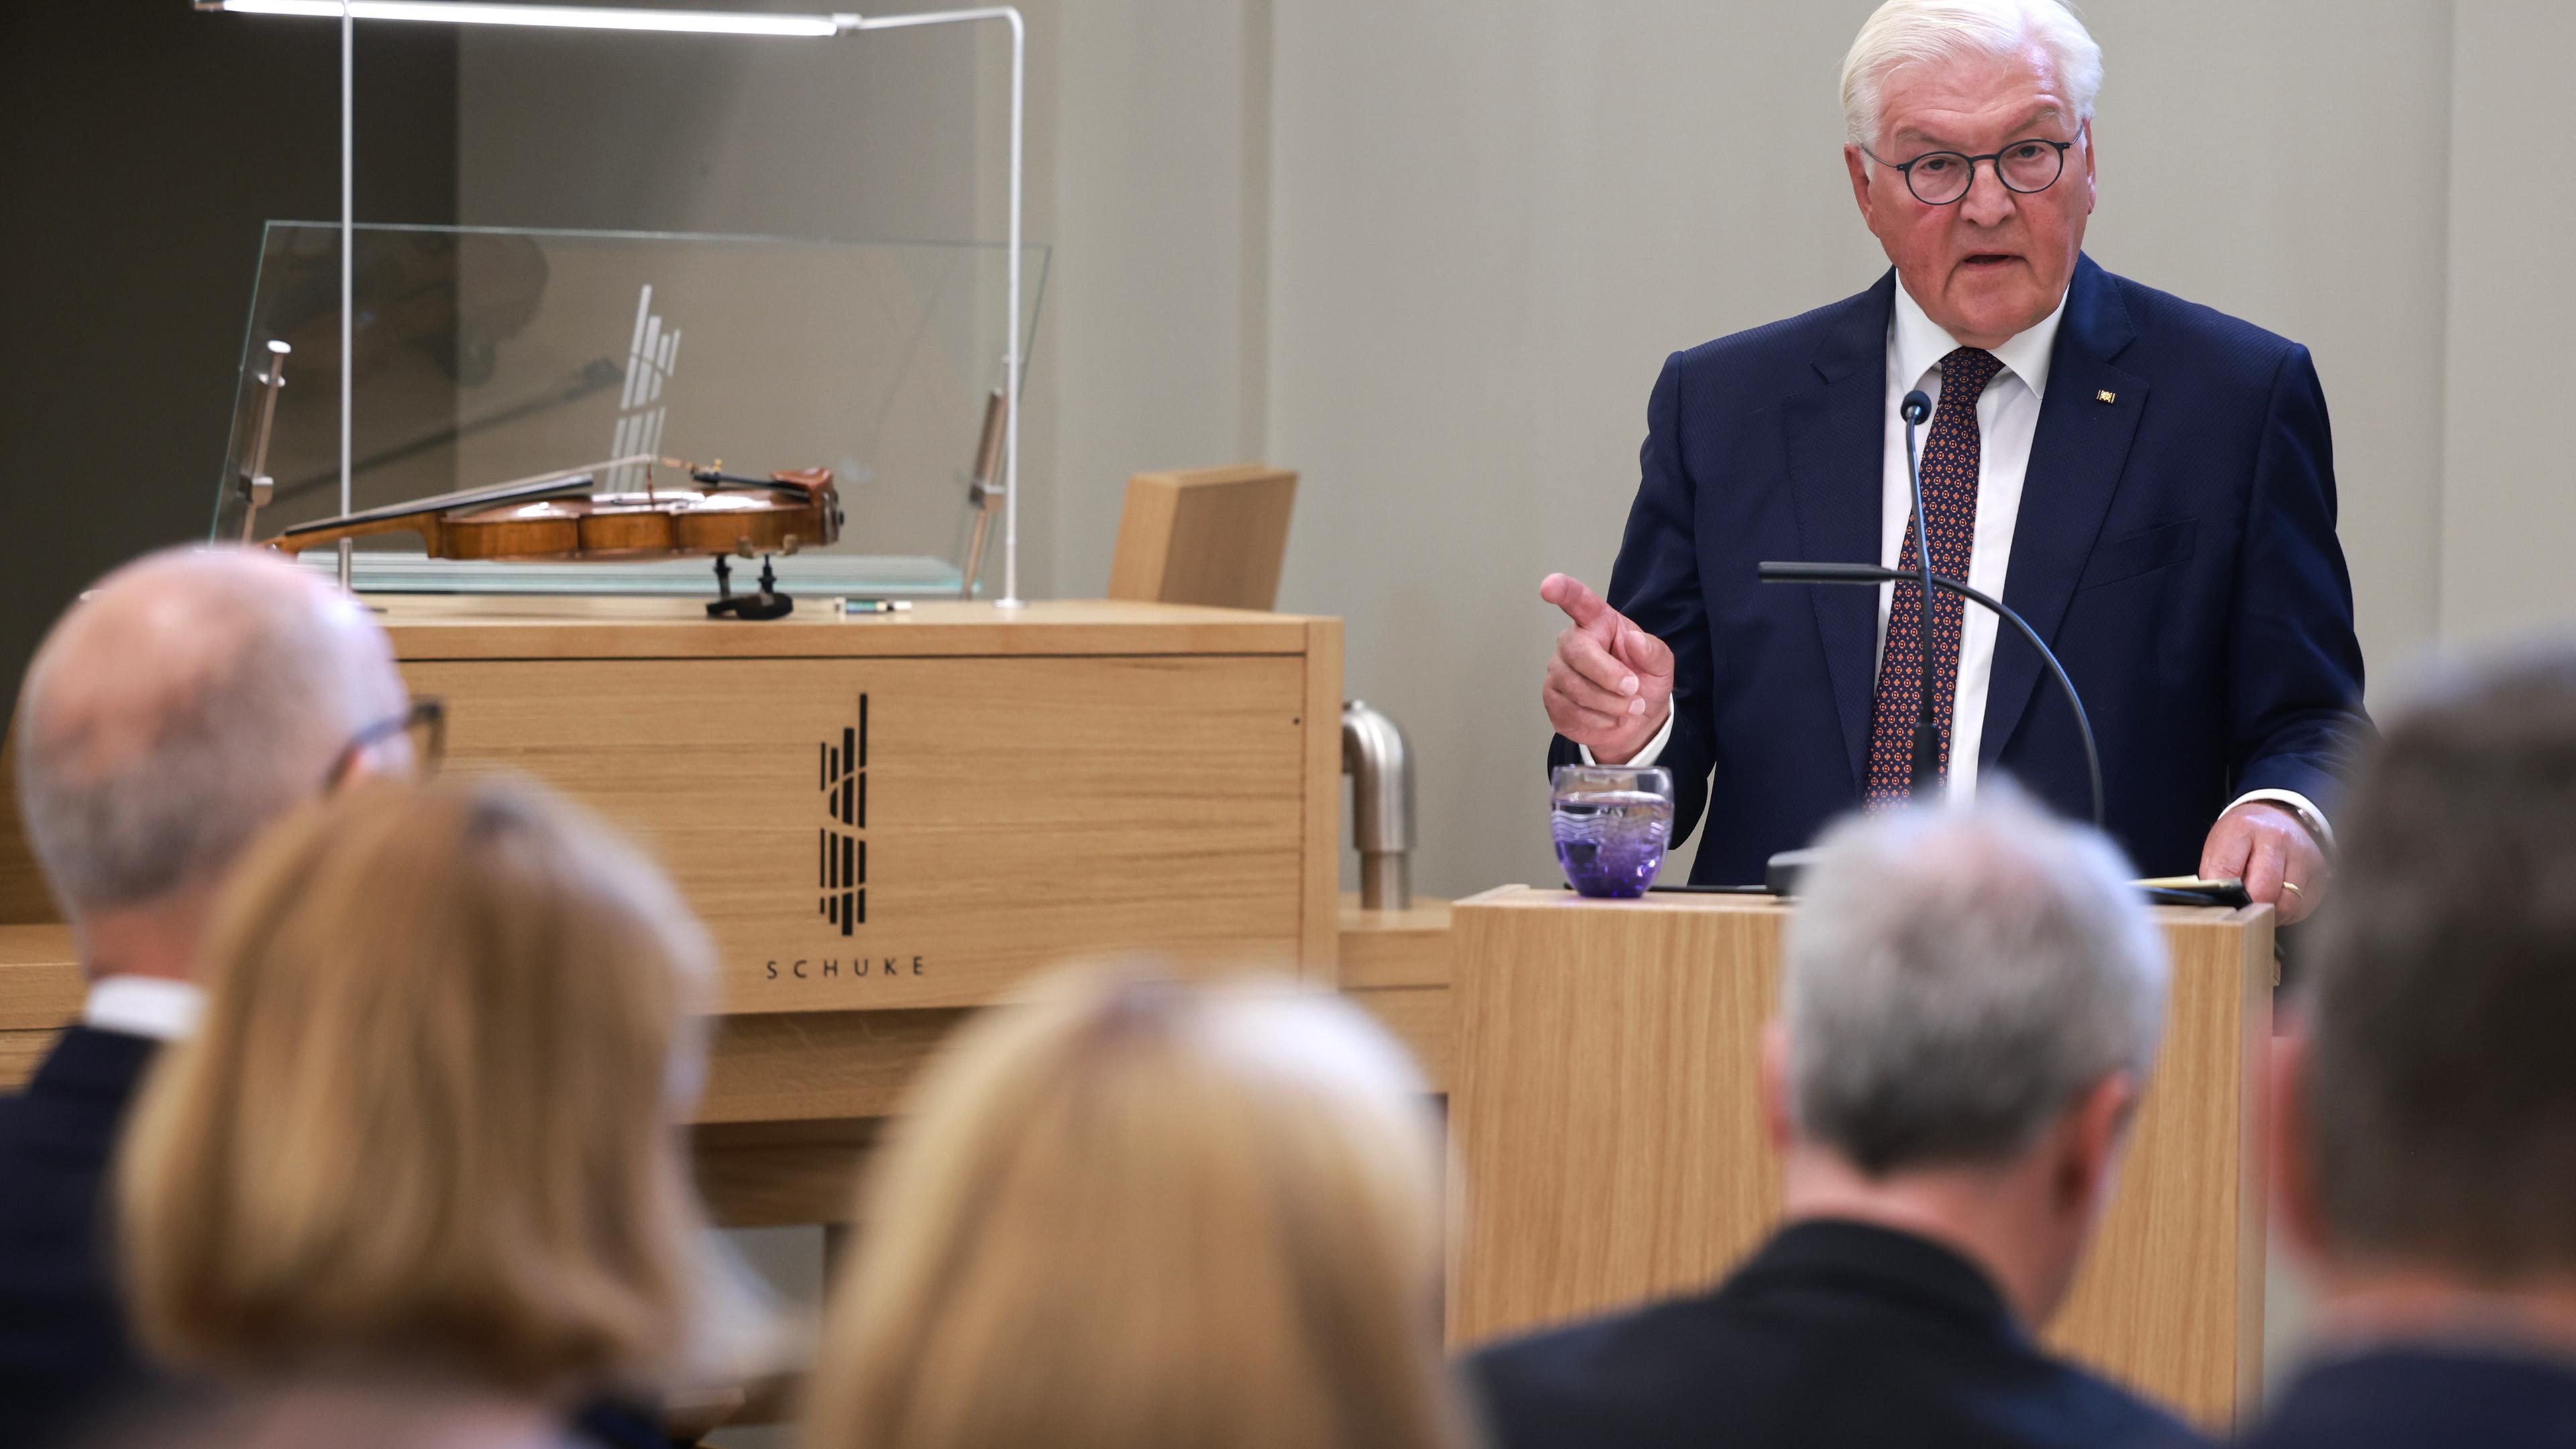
<point>1611,683</point>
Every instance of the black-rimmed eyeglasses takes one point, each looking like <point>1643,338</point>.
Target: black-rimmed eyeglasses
<point>424,725</point>
<point>1942,178</point>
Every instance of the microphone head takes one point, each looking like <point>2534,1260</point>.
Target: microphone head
<point>1916,406</point>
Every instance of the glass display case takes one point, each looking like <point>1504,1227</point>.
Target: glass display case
<point>483,356</point>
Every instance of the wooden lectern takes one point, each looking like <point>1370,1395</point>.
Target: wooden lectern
<point>1603,1102</point>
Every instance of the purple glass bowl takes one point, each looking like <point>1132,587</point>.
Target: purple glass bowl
<point>1611,844</point>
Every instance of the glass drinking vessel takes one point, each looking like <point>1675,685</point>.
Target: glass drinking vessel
<point>1611,824</point>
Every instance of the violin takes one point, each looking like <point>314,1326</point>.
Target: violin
<point>558,516</point>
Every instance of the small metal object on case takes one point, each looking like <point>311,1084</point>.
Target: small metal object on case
<point>1380,765</point>
<point>256,486</point>
<point>876,606</point>
<point>981,490</point>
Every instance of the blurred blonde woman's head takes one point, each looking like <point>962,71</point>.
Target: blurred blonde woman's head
<point>428,1123</point>
<point>1133,1212</point>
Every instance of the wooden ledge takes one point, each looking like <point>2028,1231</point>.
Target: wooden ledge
<point>486,626</point>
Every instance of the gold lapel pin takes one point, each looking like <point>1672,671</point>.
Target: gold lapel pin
<point>2106,395</point>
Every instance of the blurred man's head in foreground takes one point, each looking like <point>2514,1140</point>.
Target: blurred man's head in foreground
<point>183,703</point>
<point>1971,1001</point>
<point>2427,1125</point>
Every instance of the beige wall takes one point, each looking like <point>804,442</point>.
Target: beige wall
<point>2508,515</point>
<point>1431,254</point>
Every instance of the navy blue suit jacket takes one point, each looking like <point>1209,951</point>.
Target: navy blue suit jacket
<point>1836,1335</point>
<point>2176,547</point>
<point>2424,1397</point>
<point>63,1343</point>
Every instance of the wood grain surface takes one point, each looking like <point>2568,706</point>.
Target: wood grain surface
<point>1204,536</point>
<point>483,626</point>
<point>1409,947</point>
<point>1319,716</point>
<point>1011,812</point>
<point>23,897</point>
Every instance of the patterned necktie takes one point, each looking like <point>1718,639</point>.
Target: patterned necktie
<point>1950,455</point>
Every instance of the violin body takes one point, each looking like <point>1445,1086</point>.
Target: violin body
<point>720,515</point>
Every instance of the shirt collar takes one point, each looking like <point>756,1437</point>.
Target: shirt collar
<point>153,1007</point>
<point>1920,344</point>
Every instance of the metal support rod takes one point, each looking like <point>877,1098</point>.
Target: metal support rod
<point>1380,765</point>
<point>348,259</point>
<point>979,492</point>
<point>255,485</point>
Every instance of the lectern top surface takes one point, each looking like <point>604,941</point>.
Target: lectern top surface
<point>469,626</point>
<point>1524,897</point>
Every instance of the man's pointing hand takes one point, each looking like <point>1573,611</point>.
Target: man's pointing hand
<point>1610,684</point>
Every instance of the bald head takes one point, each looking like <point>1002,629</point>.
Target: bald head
<point>186,701</point>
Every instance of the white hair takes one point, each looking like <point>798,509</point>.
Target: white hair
<point>258,677</point>
<point>1913,32</point>
<point>1956,977</point>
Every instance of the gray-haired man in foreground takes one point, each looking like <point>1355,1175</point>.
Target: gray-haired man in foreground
<point>180,706</point>
<point>1972,1000</point>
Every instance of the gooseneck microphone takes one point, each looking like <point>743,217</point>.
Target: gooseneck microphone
<point>1925,767</point>
<point>1852,573</point>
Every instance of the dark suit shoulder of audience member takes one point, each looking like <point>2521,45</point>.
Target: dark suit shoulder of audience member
<point>62,1340</point>
<point>2420,1395</point>
<point>1835,1333</point>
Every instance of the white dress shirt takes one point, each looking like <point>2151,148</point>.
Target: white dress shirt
<point>153,1007</point>
<point>2007,421</point>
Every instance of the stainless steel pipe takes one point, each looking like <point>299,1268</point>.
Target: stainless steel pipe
<point>1380,765</point>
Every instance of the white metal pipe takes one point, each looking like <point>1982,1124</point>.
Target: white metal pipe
<point>1011,351</point>
<point>1011,323</point>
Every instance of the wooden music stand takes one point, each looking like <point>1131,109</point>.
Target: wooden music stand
<point>1214,536</point>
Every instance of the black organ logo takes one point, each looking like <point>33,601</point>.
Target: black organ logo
<point>841,843</point>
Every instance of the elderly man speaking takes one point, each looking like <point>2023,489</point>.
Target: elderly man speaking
<point>2148,482</point>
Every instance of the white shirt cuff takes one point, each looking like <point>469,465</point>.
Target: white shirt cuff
<point>2300,805</point>
<point>1655,747</point>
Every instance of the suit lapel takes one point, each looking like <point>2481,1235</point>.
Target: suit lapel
<point>2076,459</point>
<point>1836,441</point>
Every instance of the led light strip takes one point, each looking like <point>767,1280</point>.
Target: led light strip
<point>570,17</point>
